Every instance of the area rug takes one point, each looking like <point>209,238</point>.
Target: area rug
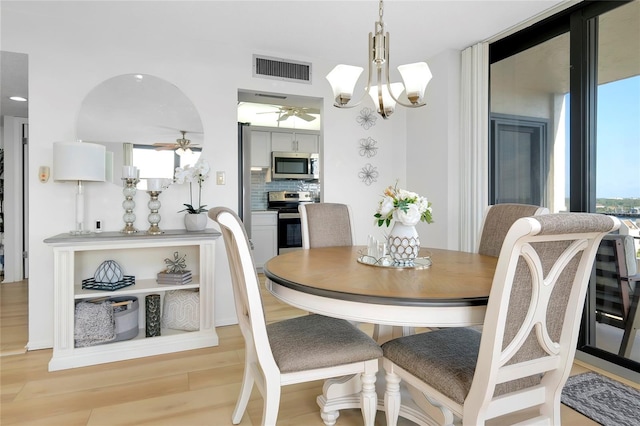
<point>602,399</point>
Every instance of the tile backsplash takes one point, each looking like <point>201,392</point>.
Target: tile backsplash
<point>260,187</point>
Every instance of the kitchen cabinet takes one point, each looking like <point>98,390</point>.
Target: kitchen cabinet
<point>264,236</point>
<point>260,148</point>
<point>76,257</point>
<point>294,141</point>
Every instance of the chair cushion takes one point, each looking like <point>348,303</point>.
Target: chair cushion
<point>445,359</point>
<point>329,225</point>
<point>497,223</point>
<point>316,341</point>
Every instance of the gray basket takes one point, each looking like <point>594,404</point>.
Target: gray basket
<point>126,320</point>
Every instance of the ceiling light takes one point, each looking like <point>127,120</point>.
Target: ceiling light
<point>18,98</point>
<point>384,94</point>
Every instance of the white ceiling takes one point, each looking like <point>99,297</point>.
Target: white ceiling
<point>331,29</point>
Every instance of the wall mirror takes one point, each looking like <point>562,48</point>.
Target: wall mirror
<point>141,118</point>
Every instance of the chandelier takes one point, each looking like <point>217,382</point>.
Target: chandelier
<point>385,94</point>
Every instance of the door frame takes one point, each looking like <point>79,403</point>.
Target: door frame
<point>16,199</point>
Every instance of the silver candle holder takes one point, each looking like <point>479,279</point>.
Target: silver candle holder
<point>129,204</point>
<point>154,216</point>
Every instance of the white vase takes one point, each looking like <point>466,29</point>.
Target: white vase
<point>403,242</point>
<point>195,222</point>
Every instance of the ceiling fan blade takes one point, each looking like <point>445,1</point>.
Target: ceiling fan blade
<point>164,147</point>
<point>306,117</point>
<point>285,115</point>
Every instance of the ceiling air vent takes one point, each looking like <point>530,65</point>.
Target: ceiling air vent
<point>281,69</point>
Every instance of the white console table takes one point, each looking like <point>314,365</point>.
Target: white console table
<point>76,257</point>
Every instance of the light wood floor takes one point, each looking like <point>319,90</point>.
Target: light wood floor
<point>197,387</point>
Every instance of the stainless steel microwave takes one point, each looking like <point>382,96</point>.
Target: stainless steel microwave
<point>295,165</point>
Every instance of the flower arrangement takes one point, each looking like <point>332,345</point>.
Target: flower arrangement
<point>404,206</point>
<point>197,173</point>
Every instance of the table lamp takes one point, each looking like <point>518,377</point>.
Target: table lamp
<point>79,162</point>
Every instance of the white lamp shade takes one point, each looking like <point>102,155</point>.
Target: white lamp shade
<point>416,77</point>
<point>343,80</point>
<point>388,102</point>
<point>77,161</point>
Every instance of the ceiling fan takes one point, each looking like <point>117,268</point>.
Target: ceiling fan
<point>181,145</point>
<point>284,112</point>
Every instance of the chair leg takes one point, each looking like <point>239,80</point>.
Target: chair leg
<point>392,398</point>
<point>271,401</point>
<point>632,325</point>
<point>368,398</point>
<point>245,393</point>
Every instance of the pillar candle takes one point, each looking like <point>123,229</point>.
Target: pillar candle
<point>154,184</point>
<point>129,172</point>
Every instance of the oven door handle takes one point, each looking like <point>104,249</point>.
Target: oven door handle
<point>289,216</point>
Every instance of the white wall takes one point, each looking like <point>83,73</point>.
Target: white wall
<point>70,54</point>
<point>432,157</point>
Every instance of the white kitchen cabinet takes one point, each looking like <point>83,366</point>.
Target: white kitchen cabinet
<point>260,148</point>
<point>264,236</point>
<point>294,141</point>
<point>76,257</point>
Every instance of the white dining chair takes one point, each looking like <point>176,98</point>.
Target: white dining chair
<point>326,225</point>
<point>524,355</point>
<point>498,218</point>
<point>302,349</point>
<point>618,288</point>
<point>331,225</point>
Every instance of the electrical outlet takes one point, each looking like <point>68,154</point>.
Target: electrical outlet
<point>43,173</point>
<point>220,178</point>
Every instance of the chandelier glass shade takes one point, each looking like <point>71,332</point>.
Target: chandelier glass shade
<point>385,95</point>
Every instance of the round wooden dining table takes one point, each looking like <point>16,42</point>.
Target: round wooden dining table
<point>453,291</point>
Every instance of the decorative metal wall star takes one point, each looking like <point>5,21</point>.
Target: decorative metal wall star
<point>367,118</point>
<point>368,174</point>
<point>368,147</point>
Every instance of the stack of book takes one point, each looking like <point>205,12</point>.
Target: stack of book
<point>174,278</point>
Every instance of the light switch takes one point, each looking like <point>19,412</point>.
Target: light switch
<point>220,178</point>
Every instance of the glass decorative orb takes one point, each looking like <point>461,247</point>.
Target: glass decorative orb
<point>129,217</point>
<point>128,204</point>
<point>153,204</point>
<point>154,218</point>
<point>129,191</point>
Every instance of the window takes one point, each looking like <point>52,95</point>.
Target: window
<point>564,130</point>
<point>519,159</point>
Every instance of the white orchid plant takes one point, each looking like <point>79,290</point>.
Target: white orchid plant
<point>197,173</point>
<point>403,206</point>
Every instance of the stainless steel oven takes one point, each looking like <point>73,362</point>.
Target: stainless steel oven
<point>289,232</point>
<point>289,229</point>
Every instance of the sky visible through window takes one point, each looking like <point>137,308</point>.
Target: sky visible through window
<point>618,139</point>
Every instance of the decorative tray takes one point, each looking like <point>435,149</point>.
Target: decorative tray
<point>387,262</point>
<point>91,284</point>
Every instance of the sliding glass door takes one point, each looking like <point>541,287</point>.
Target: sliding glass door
<point>565,133</point>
